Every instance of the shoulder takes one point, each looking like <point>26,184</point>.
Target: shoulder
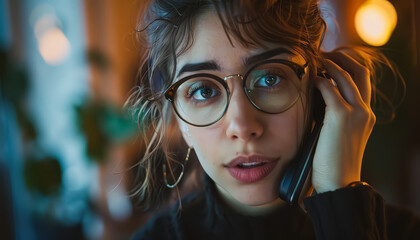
<point>402,223</point>
<point>361,211</point>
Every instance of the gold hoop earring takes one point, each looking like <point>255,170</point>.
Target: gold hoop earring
<point>180,175</point>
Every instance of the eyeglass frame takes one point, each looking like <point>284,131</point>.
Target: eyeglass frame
<point>169,93</point>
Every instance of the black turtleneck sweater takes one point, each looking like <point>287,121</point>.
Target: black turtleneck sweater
<point>348,213</point>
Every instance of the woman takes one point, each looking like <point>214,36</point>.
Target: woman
<point>237,80</point>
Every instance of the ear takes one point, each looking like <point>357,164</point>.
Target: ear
<point>183,127</point>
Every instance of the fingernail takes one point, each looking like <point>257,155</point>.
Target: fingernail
<point>332,82</point>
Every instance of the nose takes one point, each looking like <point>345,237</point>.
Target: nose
<point>242,118</point>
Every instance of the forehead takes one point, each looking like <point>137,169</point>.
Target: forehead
<point>211,43</point>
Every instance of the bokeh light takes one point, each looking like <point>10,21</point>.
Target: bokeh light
<point>375,21</point>
<point>54,46</point>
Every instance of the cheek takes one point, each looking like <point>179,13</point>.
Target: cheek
<point>285,131</point>
<point>205,143</point>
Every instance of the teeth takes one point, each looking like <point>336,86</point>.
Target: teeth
<point>250,164</point>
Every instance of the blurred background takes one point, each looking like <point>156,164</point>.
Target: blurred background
<point>66,68</point>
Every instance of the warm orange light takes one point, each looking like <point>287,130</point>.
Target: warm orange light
<point>375,21</point>
<point>53,46</point>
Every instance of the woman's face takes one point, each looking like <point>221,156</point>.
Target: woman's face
<point>246,151</point>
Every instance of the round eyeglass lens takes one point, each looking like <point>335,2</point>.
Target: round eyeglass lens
<point>272,87</point>
<point>201,100</point>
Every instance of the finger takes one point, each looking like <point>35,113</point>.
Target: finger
<point>330,93</point>
<point>345,83</point>
<point>359,73</point>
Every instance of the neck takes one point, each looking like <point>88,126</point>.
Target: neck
<point>244,209</point>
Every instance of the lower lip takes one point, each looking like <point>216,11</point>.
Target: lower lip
<point>254,174</point>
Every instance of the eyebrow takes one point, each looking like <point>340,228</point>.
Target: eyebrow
<point>265,55</point>
<point>212,65</point>
<point>193,67</point>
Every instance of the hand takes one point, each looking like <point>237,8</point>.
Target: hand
<point>348,123</point>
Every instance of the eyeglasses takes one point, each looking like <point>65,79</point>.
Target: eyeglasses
<point>272,86</point>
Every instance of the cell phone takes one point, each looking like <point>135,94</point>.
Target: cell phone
<point>298,170</point>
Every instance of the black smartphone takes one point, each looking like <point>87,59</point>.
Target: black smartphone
<point>298,170</point>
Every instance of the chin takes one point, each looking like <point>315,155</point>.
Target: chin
<point>255,194</point>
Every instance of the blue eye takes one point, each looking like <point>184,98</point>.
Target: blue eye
<point>204,93</point>
<point>268,81</point>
